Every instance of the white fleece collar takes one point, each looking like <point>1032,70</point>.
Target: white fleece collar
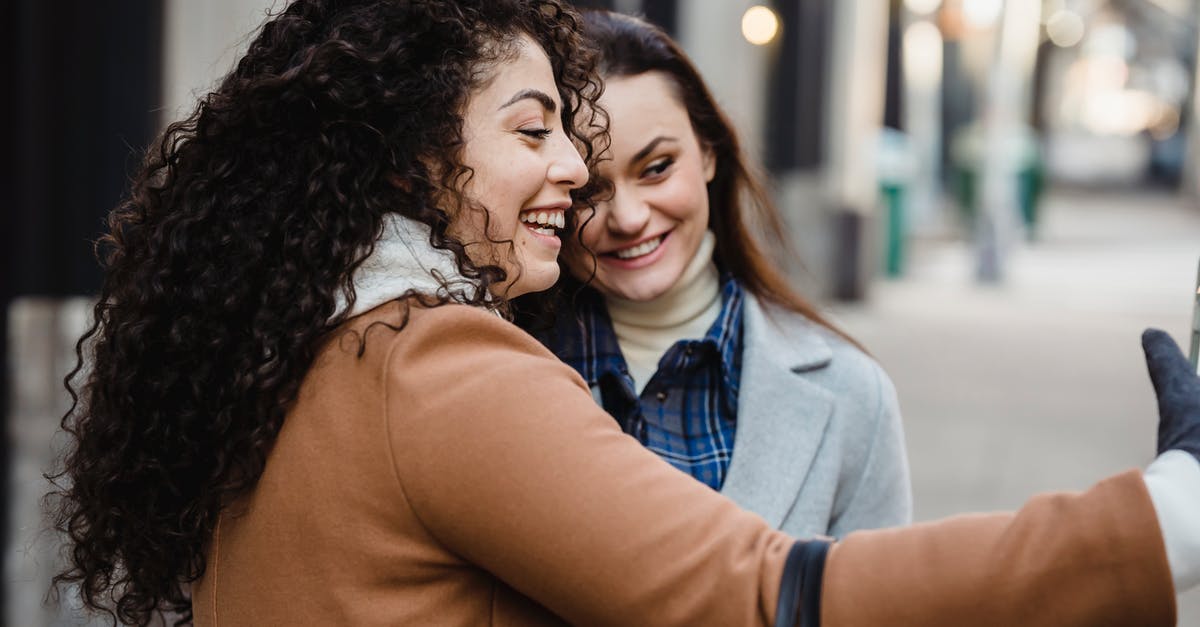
<point>403,261</point>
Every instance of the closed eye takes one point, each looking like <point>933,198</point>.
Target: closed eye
<point>658,167</point>
<point>536,133</point>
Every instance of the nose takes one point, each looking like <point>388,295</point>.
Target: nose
<point>625,213</point>
<point>566,166</point>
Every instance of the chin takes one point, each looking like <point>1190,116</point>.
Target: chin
<point>641,295</point>
<point>639,291</point>
<point>535,280</point>
<point>645,288</point>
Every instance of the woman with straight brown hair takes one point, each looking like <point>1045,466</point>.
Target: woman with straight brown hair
<point>691,337</point>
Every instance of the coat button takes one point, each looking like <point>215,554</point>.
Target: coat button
<point>661,396</point>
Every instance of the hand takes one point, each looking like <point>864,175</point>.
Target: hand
<point>1178,391</point>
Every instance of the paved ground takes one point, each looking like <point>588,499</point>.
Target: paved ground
<point>1038,383</point>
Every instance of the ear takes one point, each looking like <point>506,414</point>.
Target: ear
<point>709,161</point>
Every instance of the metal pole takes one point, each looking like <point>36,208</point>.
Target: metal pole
<point>1009,85</point>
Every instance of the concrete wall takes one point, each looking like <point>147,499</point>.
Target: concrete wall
<point>41,340</point>
<point>201,43</point>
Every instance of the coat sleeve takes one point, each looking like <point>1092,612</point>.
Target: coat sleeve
<point>882,490</point>
<point>1062,560</point>
<point>507,462</point>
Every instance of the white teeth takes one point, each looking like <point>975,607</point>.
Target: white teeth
<point>644,248</point>
<point>546,221</point>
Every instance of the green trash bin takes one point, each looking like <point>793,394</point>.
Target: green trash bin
<point>893,194</point>
<point>894,173</point>
<point>966,159</point>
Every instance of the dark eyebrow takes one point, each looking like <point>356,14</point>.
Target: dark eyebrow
<point>535,94</point>
<point>641,154</point>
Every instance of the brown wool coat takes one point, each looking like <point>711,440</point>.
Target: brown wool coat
<point>458,474</point>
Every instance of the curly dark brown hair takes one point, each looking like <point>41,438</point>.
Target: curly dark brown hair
<point>223,267</point>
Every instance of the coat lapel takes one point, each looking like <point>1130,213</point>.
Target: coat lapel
<point>781,416</point>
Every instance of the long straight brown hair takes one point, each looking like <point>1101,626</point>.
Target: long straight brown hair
<point>738,200</point>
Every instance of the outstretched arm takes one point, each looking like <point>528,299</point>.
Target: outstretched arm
<point>1093,558</point>
<point>505,459</point>
<point>971,568</point>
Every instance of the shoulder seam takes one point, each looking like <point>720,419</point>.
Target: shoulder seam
<point>388,426</point>
<point>387,432</point>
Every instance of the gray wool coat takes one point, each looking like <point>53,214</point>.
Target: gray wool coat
<point>819,446</point>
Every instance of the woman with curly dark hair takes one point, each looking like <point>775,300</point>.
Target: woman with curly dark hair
<point>304,405</point>
<point>230,265</point>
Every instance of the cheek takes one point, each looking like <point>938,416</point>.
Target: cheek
<point>505,178</point>
<point>575,254</point>
<point>588,229</point>
<point>504,225</point>
<point>471,223</point>
<point>685,199</point>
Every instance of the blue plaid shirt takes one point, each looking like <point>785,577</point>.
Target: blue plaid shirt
<point>687,412</point>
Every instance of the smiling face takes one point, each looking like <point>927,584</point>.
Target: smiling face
<point>524,169</point>
<point>645,236</point>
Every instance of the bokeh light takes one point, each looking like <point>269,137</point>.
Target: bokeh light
<point>1065,28</point>
<point>922,7</point>
<point>760,25</point>
<point>923,53</point>
<point>981,13</point>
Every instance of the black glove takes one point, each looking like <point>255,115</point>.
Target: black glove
<point>1178,391</point>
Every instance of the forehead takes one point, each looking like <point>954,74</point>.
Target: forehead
<point>643,106</point>
<point>522,65</point>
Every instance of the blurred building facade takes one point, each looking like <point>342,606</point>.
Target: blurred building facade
<point>85,83</point>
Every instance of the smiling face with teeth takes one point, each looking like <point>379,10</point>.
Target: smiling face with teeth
<point>645,236</point>
<point>524,168</point>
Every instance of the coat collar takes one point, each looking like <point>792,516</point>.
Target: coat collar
<point>799,346</point>
<point>782,417</point>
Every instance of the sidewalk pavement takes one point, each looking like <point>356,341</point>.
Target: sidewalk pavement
<point>1037,383</point>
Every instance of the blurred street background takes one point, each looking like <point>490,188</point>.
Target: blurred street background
<point>994,196</point>
<point>1039,383</point>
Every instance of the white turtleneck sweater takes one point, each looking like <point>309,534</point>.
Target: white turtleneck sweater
<point>647,329</point>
